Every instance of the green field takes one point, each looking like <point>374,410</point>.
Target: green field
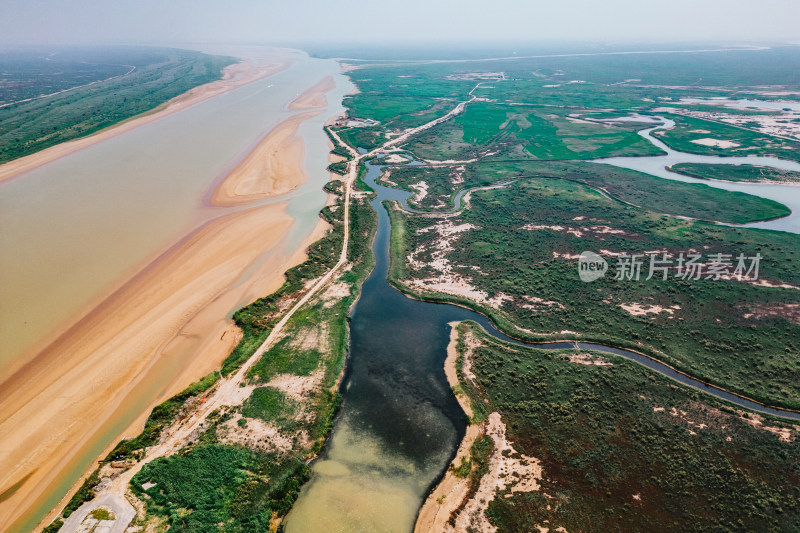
<point>31,73</point>
<point>524,132</point>
<point>160,75</point>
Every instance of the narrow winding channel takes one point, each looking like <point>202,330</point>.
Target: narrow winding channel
<point>657,165</point>
<point>400,424</point>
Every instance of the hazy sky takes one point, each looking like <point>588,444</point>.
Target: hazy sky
<point>349,21</point>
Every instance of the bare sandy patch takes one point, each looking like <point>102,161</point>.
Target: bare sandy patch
<point>256,435</point>
<point>556,228</point>
<point>534,303</point>
<point>716,143</point>
<point>314,97</point>
<point>702,417</point>
<point>447,280</point>
<point>296,387</point>
<point>638,309</point>
<point>385,178</point>
<point>790,312</point>
<point>589,360</point>
<point>421,189</point>
<point>334,293</point>
<point>507,469</point>
<point>579,231</point>
<point>771,284</point>
<point>785,434</point>
<point>395,158</point>
<point>313,337</point>
<point>457,175</point>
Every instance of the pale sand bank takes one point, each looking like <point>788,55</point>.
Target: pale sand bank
<point>208,338</point>
<point>233,76</point>
<point>314,97</point>
<point>159,331</point>
<point>49,407</point>
<point>274,167</point>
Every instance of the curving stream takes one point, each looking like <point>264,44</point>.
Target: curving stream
<point>400,424</point>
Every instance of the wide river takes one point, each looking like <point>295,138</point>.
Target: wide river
<point>400,424</point>
<point>73,228</point>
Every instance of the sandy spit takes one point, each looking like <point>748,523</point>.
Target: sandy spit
<point>233,76</point>
<point>314,97</point>
<point>273,168</point>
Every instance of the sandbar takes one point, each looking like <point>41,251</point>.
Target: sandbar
<point>273,168</point>
<point>50,406</point>
<point>154,333</point>
<point>314,97</point>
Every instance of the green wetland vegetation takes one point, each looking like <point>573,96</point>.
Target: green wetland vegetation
<point>623,449</point>
<point>522,247</point>
<point>746,142</point>
<point>628,186</point>
<point>160,74</point>
<point>747,173</point>
<point>504,131</point>
<point>34,72</point>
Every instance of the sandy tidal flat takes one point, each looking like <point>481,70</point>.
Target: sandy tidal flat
<point>314,97</point>
<point>75,384</point>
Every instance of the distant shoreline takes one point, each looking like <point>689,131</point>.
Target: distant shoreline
<point>233,76</point>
